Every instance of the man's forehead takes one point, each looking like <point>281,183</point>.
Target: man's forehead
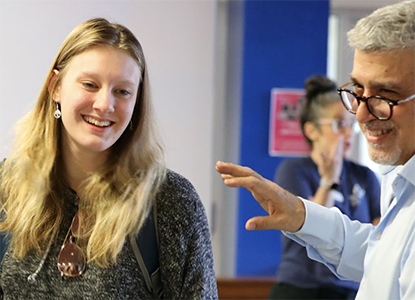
<point>394,70</point>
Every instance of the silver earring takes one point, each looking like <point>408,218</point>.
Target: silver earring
<point>131,125</point>
<point>57,113</point>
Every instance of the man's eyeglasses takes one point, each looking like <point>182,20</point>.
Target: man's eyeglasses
<point>338,125</point>
<point>71,259</point>
<point>381,108</point>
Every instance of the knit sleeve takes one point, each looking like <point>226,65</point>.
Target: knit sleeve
<point>186,259</point>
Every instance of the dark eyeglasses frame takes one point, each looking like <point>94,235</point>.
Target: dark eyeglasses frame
<point>359,99</point>
<point>71,259</point>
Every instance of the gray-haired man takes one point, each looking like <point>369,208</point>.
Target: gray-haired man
<point>382,95</point>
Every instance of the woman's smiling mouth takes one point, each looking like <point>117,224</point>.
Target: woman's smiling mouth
<point>96,122</point>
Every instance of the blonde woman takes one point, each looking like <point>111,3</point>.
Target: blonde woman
<point>89,207</point>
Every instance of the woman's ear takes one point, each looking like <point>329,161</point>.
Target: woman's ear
<point>52,80</point>
<point>311,131</point>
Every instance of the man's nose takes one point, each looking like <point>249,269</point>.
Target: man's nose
<point>363,114</point>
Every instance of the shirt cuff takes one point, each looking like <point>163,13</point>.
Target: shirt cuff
<point>318,225</point>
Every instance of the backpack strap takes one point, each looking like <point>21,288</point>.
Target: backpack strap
<point>4,237</point>
<point>146,251</point>
<point>4,244</point>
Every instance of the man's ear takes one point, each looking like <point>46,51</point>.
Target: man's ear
<point>310,131</point>
<point>52,80</point>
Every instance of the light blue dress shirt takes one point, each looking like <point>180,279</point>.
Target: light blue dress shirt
<point>381,258</point>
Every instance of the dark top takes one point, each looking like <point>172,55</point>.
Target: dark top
<point>185,254</point>
<point>357,196</point>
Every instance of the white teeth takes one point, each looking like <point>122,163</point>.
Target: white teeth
<point>96,122</point>
<point>378,132</point>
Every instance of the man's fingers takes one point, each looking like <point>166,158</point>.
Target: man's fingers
<point>261,223</point>
<point>245,182</point>
<point>267,194</point>
<point>234,170</point>
<point>226,176</point>
<point>276,222</point>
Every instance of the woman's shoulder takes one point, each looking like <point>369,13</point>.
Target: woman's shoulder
<point>177,184</point>
<point>178,203</point>
<point>177,190</point>
<point>174,178</point>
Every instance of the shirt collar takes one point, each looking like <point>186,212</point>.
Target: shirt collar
<point>407,170</point>
<point>386,169</point>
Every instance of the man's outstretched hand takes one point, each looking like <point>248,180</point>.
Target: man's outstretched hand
<point>286,211</point>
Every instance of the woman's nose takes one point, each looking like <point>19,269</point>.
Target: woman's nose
<point>104,101</point>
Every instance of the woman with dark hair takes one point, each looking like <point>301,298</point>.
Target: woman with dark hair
<point>89,207</point>
<point>326,178</point>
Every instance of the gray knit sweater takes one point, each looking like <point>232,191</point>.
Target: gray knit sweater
<point>185,255</point>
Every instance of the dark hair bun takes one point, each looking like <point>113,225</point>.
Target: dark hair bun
<point>318,84</point>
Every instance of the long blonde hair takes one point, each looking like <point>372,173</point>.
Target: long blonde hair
<point>32,178</point>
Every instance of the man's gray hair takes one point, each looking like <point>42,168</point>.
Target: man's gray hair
<point>388,28</point>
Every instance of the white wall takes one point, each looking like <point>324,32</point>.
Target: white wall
<point>227,131</point>
<point>178,38</point>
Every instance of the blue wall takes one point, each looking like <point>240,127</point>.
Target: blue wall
<point>284,43</point>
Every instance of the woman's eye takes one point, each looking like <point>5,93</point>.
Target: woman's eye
<point>89,85</point>
<point>124,92</point>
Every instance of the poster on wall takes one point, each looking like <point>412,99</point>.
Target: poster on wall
<point>285,136</point>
